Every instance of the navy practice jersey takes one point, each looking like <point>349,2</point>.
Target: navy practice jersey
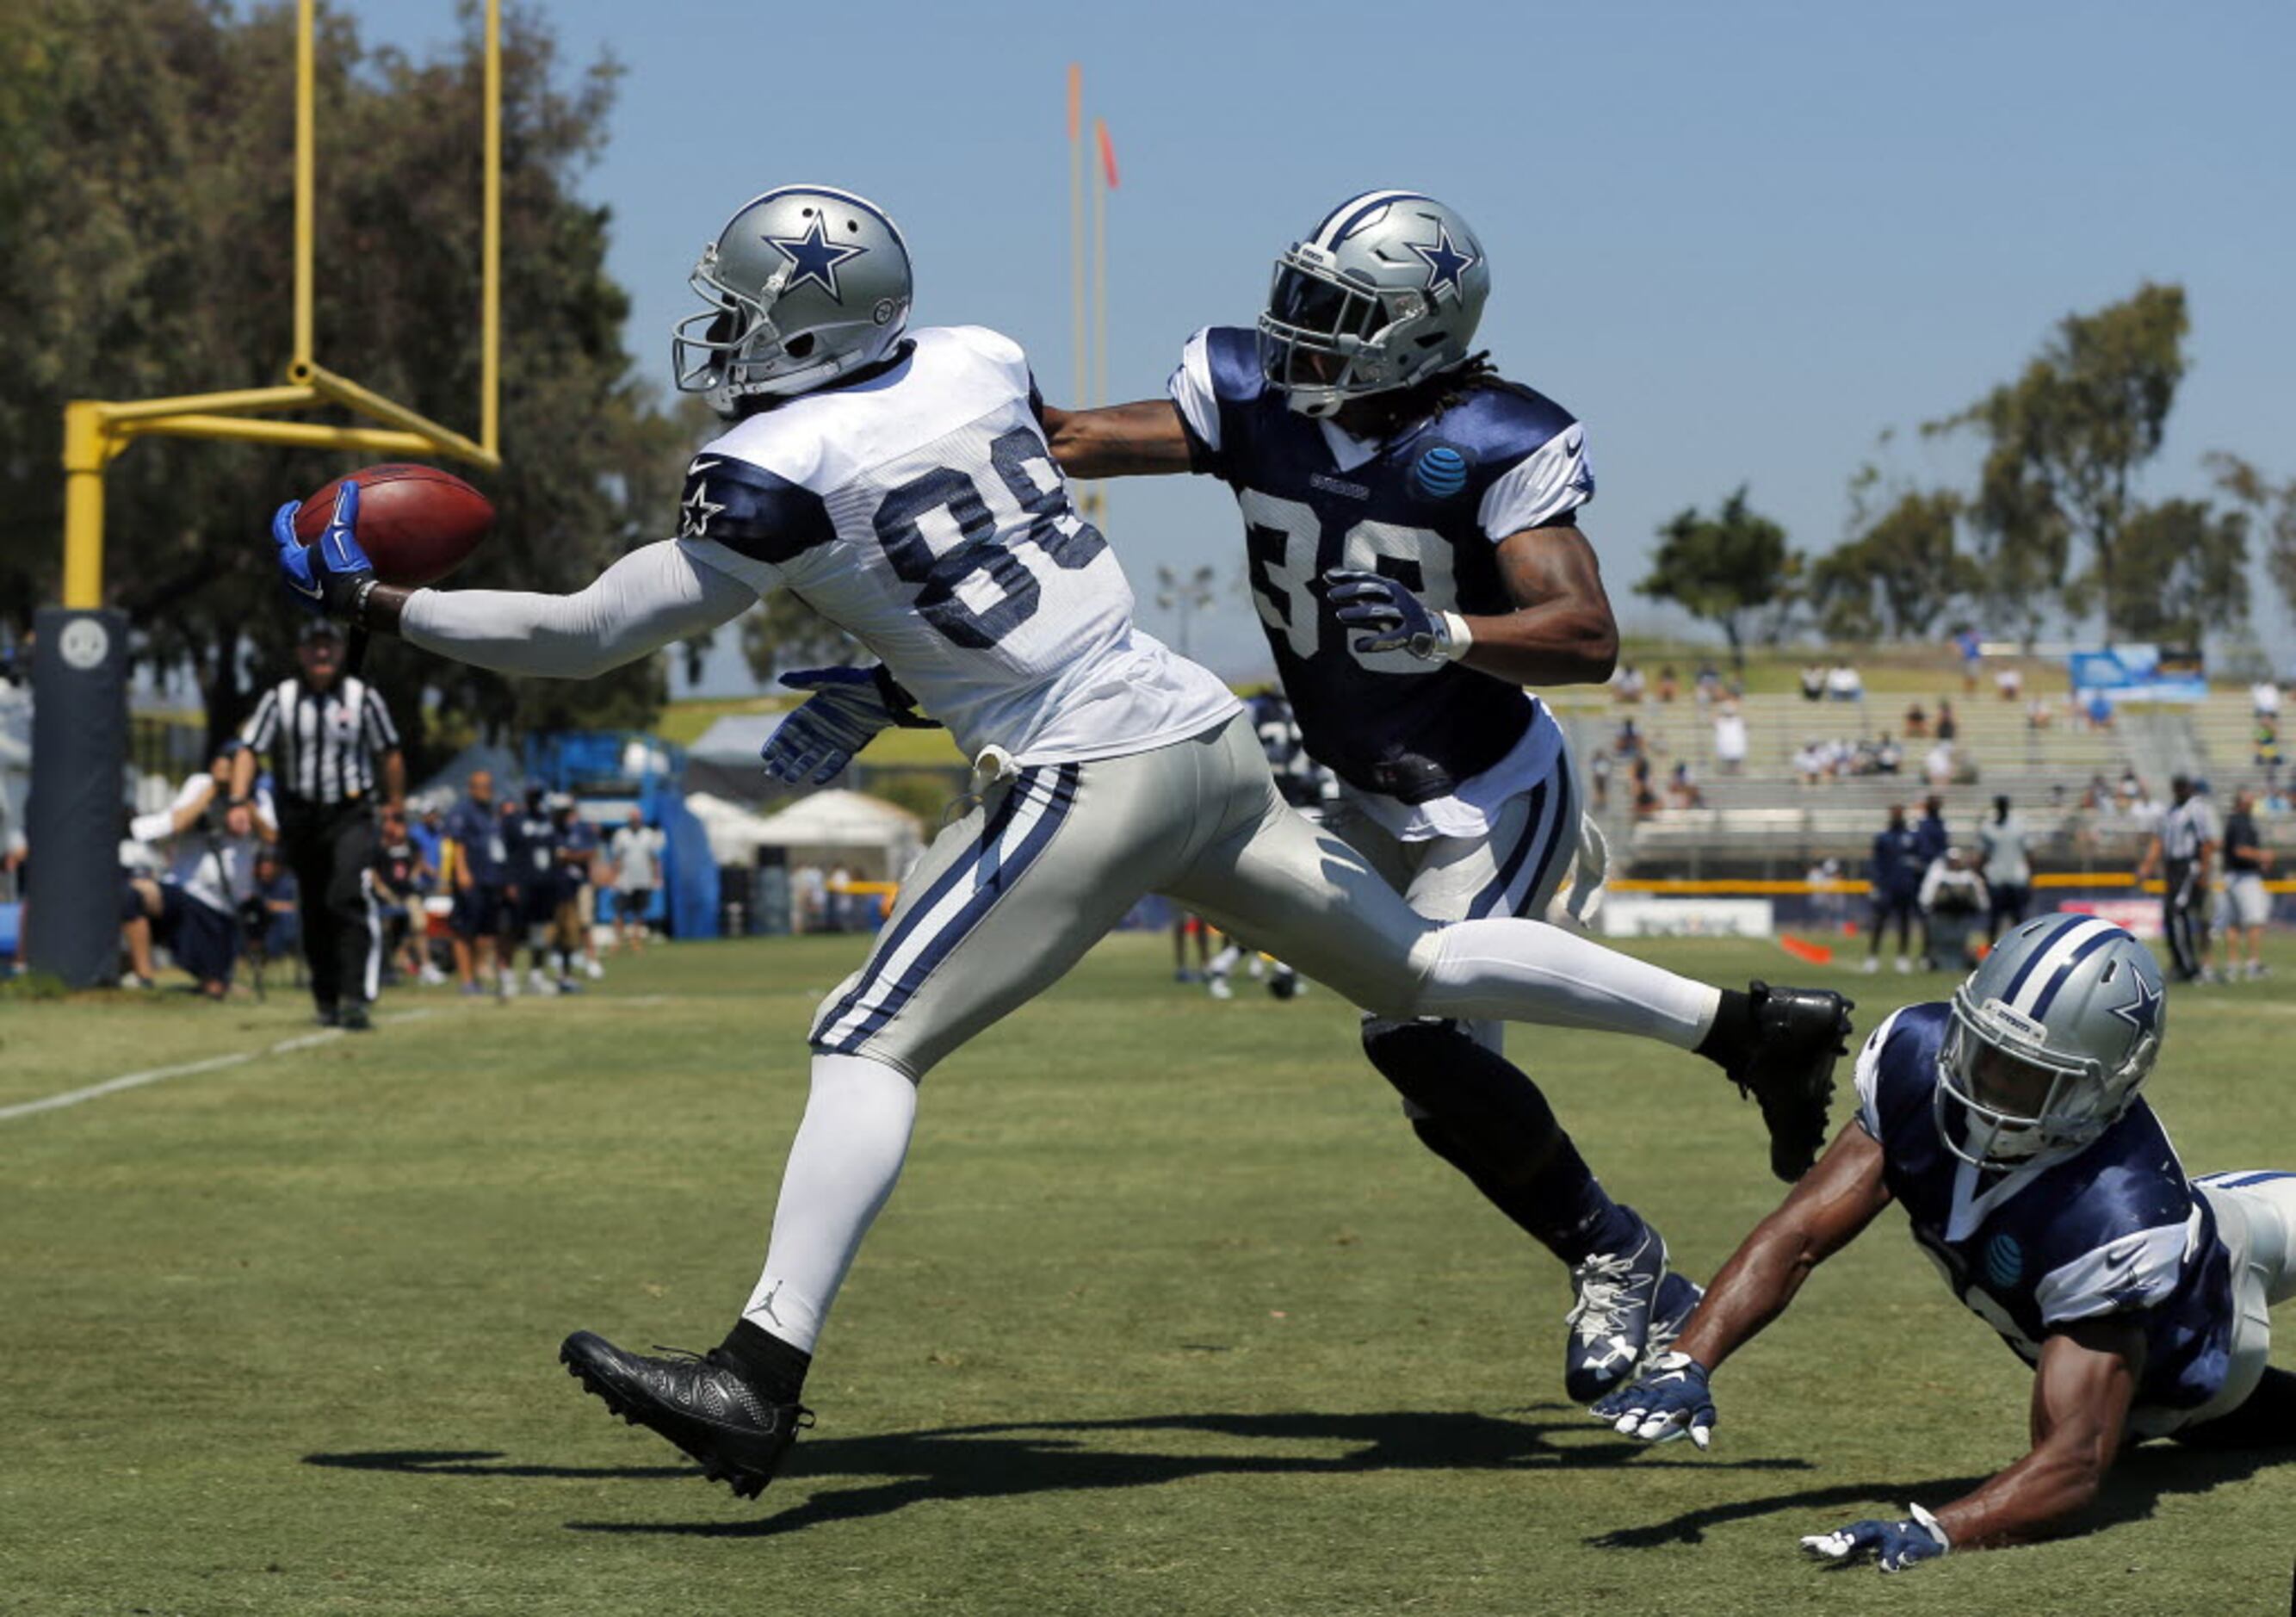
<point>1427,508</point>
<point>2114,1228</point>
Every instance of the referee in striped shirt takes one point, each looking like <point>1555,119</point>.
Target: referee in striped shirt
<point>2184,851</point>
<point>334,754</point>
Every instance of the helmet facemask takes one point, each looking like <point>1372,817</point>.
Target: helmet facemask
<point>1324,339</point>
<point>2005,1097</point>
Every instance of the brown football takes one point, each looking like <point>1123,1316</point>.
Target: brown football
<point>416,523</point>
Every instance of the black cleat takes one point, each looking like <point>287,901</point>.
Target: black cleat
<point>697,1401</point>
<point>354,1019</point>
<point>1798,1034</point>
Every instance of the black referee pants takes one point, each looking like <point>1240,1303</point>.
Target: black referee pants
<point>329,847</point>
<point>2185,917</point>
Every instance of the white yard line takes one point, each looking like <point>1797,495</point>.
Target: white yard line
<point>137,1081</point>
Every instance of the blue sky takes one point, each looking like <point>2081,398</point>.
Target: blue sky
<point>1740,242</point>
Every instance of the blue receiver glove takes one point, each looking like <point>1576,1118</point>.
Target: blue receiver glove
<point>1894,1546</point>
<point>848,707</point>
<point>331,578</point>
<point>1397,620</point>
<point>1669,1399</point>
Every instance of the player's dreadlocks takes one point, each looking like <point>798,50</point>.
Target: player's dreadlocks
<point>1384,414</point>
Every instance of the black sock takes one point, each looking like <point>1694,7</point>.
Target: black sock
<point>1732,1030</point>
<point>768,1363</point>
<point>1490,1121</point>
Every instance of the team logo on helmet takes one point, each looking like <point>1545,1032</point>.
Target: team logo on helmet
<point>2144,1012</point>
<point>1446,262</point>
<point>1440,472</point>
<point>815,257</point>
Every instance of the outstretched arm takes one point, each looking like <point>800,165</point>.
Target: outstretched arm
<point>1140,439</point>
<point>1825,1210</point>
<point>2082,1393</point>
<point>656,594</point>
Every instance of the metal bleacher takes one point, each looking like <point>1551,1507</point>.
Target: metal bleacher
<point>1766,821</point>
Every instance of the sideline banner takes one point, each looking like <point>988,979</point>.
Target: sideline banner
<point>2138,673</point>
<point>1632,916</point>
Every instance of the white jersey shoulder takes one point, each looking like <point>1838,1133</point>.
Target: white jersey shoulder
<point>920,509</point>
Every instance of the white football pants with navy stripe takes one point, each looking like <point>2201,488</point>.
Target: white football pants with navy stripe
<point>1513,869</point>
<point>2256,1219</point>
<point>1010,897</point>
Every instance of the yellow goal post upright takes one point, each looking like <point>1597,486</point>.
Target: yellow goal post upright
<point>80,722</point>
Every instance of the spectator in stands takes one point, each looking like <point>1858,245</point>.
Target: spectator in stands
<point>2267,746</point>
<point>636,854</point>
<point>1844,683</point>
<point>2009,683</point>
<point>1813,682</point>
<point>1939,763</point>
<point>1729,738</point>
<point>1682,791</point>
<point>1598,776</point>
<point>1812,764</point>
<point>2099,711</point>
<point>2264,699</point>
<point>2007,867</point>
<point>1917,721</point>
<point>2038,715</point>
<point>1889,757</point>
<point>1710,682</point>
<point>1670,683</point>
<point>2246,861</point>
<point>1972,652</point>
<point>1646,803</point>
<point>1948,728</point>
<point>1953,900</point>
<point>1627,684</point>
<point>1629,741</point>
<point>1893,879</point>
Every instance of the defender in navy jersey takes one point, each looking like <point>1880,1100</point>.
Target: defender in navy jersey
<point>2008,1125</point>
<point>1411,534</point>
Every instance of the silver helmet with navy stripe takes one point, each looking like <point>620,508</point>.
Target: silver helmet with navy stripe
<point>1386,292</point>
<point>804,284</point>
<point>2050,1041</point>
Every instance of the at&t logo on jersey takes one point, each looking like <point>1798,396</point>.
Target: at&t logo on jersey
<point>1440,472</point>
<point>2005,1261</point>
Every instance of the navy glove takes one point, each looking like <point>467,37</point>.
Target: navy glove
<point>1894,1546</point>
<point>1669,1399</point>
<point>848,707</point>
<point>1397,620</point>
<point>331,578</point>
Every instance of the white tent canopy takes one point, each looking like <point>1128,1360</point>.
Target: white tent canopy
<point>864,835</point>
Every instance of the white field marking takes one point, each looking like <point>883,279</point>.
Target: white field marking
<point>137,1081</point>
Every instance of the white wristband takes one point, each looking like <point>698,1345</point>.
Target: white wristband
<point>1931,1525</point>
<point>1457,637</point>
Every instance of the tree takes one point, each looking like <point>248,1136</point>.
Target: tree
<point>1724,569</point>
<point>2065,444</point>
<point>1900,572</point>
<point>2272,505</point>
<point>2186,573</point>
<point>149,238</point>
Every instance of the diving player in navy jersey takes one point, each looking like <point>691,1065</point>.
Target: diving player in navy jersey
<point>1411,526</point>
<point>2008,1124</point>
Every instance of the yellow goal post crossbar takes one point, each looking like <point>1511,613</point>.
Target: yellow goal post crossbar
<point>96,432</point>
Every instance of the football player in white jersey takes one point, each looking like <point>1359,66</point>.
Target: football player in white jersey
<point>900,483</point>
<point>1412,534</point>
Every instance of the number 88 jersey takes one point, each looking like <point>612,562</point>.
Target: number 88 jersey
<point>917,508</point>
<point>1427,508</point>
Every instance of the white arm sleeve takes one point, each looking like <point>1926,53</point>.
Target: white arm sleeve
<point>655,594</point>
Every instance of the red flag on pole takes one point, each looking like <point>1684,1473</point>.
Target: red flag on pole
<point>1107,152</point>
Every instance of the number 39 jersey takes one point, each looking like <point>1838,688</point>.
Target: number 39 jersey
<point>1427,508</point>
<point>919,510</point>
<point>2113,1228</point>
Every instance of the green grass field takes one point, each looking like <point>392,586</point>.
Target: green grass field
<point>1170,1315</point>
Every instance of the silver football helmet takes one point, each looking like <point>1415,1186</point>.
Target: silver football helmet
<point>804,284</point>
<point>2050,1041</point>
<point>1386,290</point>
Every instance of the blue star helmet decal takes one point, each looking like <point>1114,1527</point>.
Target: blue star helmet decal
<point>1446,262</point>
<point>2144,1012</point>
<point>815,257</point>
